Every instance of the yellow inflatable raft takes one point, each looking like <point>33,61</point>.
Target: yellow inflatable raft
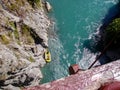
<point>47,56</point>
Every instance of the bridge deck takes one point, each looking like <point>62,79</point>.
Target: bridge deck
<point>85,80</point>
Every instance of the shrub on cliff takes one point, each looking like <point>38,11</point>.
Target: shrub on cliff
<point>35,2</point>
<point>113,32</point>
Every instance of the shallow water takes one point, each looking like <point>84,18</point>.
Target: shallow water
<point>76,22</point>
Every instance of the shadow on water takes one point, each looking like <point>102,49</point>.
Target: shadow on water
<point>113,13</point>
<point>96,44</point>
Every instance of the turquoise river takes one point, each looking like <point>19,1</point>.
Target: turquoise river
<point>75,22</point>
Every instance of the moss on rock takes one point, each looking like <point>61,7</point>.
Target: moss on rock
<point>26,33</point>
<point>113,32</point>
<point>31,59</point>
<point>34,3</point>
<point>4,39</point>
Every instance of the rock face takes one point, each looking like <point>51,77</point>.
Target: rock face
<point>23,41</point>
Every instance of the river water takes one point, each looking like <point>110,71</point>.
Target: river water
<point>71,37</point>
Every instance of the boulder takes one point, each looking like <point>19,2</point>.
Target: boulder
<point>48,6</point>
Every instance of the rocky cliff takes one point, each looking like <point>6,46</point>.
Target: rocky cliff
<point>23,41</point>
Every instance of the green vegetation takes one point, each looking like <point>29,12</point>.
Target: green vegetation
<point>31,59</point>
<point>18,7</point>
<point>13,7</point>
<point>4,39</point>
<point>34,3</point>
<point>10,35</point>
<point>16,33</point>
<point>26,33</point>
<point>30,40</point>
<point>12,24</point>
<point>113,31</point>
<point>114,27</point>
<point>20,2</point>
<point>25,29</point>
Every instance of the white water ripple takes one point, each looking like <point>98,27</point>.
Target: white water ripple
<point>111,1</point>
<point>87,59</point>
